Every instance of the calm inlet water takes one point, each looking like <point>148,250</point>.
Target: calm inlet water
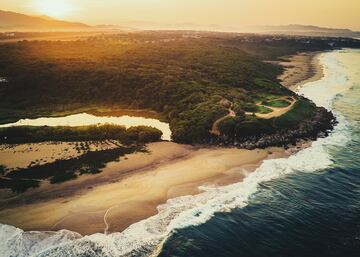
<point>305,205</point>
<point>84,119</point>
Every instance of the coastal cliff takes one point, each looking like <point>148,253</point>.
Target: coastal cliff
<point>319,124</point>
<point>297,70</point>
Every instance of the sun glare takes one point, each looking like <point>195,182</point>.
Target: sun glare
<point>54,8</point>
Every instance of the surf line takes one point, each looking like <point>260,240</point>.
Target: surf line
<point>106,230</point>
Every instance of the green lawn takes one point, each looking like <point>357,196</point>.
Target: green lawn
<point>264,110</point>
<point>302,109</point>
<point>276,103</point>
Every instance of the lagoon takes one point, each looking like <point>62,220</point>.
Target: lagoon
<point>85,119</point>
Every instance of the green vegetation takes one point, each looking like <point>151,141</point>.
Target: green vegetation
<point>18,185</point>
<point>2,169</point>
<point>301,110</point>
<point>229,125</point>
<point>276,103</point>
<point>180,75</point>
<point>30,134</point>
<point>252,126</point>
<point>264,110</point>
<point>62,170</point>
<point>91,162</point>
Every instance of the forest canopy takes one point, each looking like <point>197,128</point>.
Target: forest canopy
<point>183,76</point>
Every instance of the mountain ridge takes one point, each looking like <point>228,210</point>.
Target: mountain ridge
<point>10,20</point>
<point>306,30</point>
<point>14,20</point>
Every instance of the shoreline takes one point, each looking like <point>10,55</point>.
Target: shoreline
<point>128,191</point>
<point>298,70</point>
<point>111,206</point>
<point>301,69</point>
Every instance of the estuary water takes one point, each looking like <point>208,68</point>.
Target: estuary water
<point>84,119</point>
<point>304,205</point>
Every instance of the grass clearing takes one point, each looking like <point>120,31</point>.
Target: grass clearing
<point>277,103</point>
<point>302,109</point>
<point>264,110</point>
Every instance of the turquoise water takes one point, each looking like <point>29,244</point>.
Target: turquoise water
<point>304,205</point>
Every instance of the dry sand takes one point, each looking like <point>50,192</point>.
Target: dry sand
<point>276,111</point>
<point>171,170</point>
<point>24,155</point>
<point>301,69</point>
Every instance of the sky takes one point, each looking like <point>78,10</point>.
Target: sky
<point>225,13</point>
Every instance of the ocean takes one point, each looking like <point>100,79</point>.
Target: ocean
<point>304,205</point>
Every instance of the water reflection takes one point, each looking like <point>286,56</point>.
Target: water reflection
<point>84,119</point>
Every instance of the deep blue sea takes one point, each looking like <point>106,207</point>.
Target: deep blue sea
<point>304,205</point>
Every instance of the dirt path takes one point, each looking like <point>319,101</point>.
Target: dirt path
<point>215,128</point>
<point>276,111</point>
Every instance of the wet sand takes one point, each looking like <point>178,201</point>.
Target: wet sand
<point>143,182</point>
<point>300,69</point>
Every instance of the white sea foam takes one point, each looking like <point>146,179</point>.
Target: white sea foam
<point>142,238</point>
<point>15,242</point>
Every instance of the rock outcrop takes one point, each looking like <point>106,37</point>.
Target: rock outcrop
<point>319,125</point>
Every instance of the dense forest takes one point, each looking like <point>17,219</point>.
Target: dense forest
<point>36,134</point>
<point>183,76</point>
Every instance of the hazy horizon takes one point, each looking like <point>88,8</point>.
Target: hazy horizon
<point>229,15</point>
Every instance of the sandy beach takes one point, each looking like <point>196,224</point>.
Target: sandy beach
<point>130,190</point>
<point>300,69</point>
<point>25,155</point>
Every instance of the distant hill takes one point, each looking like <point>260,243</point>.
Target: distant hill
<point>18,21</point>
<point>307,30</point>
<point>110,27</point>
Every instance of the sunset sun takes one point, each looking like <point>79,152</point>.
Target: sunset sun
<point>54,8</point>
